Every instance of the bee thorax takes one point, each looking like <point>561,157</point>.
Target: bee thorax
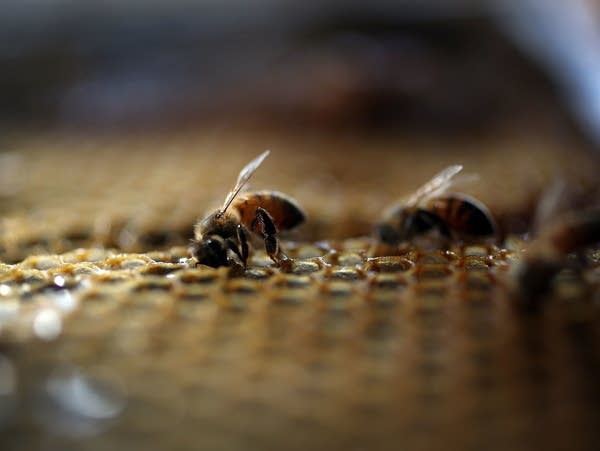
<point>223,225</point>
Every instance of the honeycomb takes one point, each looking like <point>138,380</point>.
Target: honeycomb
<point>112,338</point>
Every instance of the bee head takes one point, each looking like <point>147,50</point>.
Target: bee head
<point>210,251</point>
<point>387,233</point>
<point>404,225</point>
<point>393,229</point>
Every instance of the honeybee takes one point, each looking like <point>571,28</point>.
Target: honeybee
<point>548,254</point>
<point>430,207</point>
<point>222,235</point>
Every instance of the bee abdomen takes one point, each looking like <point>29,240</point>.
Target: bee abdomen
<point>284,210</point>
<point>464,215</point>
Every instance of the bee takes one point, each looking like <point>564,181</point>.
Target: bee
<point>223,234</point>
<point>566,222</point>
<point>430,208</point>
<point>547,255</point>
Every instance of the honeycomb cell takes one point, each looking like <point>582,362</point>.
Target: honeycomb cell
<point>388,264</point>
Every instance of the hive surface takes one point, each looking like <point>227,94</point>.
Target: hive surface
<point>112,338</point>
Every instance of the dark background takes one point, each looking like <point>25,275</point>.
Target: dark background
<point>434,65</point>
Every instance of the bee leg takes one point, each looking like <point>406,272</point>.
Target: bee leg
<point>263,224</point>
<point>233,246</point>
<point>422,222</point>
<point>243,239</point>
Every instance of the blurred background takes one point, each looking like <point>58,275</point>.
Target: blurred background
<point>438,65</point>
<point>123,121</point>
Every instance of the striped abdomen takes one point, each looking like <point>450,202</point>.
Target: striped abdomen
<point>285,211</point>
<point>463,215</point>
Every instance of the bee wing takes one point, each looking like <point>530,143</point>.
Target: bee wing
<point>437,185</point>
<point>555,201</point>
<point>464,179</point>
<point>243,178</point>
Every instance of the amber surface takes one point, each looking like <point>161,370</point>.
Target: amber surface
<point>111,337</point>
